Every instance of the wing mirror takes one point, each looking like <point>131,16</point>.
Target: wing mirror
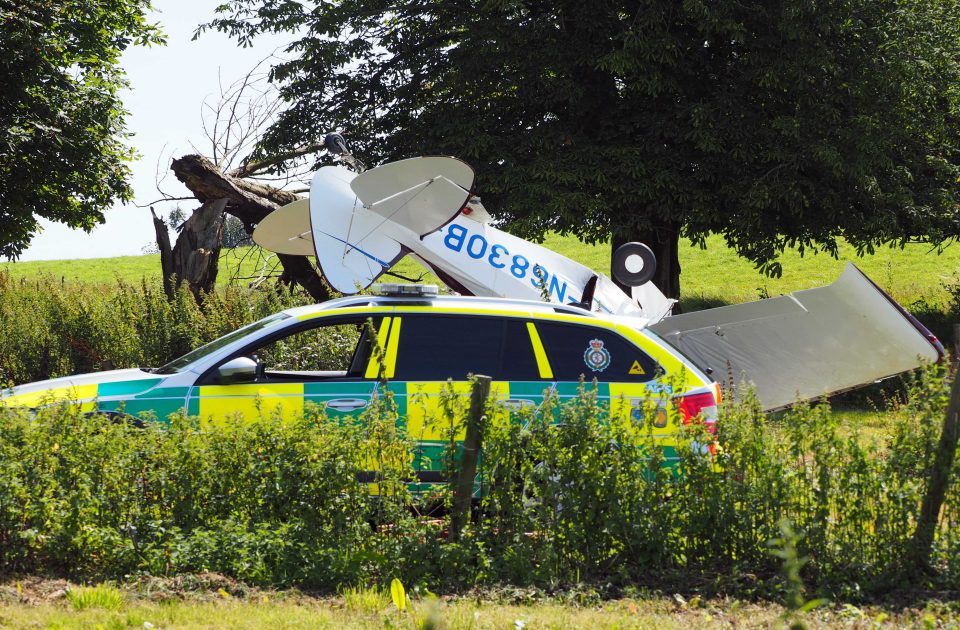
<point>238,370</point>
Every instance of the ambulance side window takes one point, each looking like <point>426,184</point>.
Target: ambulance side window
<point>329,348</point>
<point>319,351</point>
<point>519,363</point>
<point>435,348</point>
<point>595,353</point>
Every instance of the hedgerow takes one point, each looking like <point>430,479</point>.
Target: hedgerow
<point>582,500</point>
<point>50,329</point>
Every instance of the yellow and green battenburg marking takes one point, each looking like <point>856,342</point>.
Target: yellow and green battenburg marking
<point>139,396</point>
<point>418,403</point>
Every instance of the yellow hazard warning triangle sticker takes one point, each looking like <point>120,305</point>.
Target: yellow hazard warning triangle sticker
<point>636,368</point>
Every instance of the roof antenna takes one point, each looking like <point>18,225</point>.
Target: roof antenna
<point>336,145</point>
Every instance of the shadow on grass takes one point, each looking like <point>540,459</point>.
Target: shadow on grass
<point>690,303</point>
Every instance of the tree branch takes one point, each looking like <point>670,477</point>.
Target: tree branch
<point>252,168</point>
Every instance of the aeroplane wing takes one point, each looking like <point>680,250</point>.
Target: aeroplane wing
<point>287,230</point>
<point>807,344</point>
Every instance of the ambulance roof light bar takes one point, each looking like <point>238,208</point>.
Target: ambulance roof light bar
<point>395,289</point>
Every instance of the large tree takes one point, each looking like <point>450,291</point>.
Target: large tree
<point>62,151</point>
<point>774,123</point>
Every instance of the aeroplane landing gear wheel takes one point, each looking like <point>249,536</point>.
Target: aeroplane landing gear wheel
<point>634,264</point>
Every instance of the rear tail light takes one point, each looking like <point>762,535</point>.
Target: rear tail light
<point>702,407</point>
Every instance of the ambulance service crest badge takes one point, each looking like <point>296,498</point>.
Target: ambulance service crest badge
<point>596,356</point>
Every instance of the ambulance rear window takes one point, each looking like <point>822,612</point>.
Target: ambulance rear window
<point>435,348</point>
<point>594,353</point>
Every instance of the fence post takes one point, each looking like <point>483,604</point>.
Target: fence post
<point>938,484</point>
<point>467,472</point>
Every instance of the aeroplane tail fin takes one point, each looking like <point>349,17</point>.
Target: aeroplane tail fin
<point>421,194</point>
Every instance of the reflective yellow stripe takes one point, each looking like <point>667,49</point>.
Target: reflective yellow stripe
<point>427,419</point>
<point>253,401</point>
<point>373,368</point>
<point>390,360</point>
<point>542,363</point>
<point>82,394</point>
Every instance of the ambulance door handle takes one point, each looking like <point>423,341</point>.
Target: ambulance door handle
<point>346,404</point>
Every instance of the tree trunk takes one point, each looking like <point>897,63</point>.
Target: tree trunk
<point>664,240</point>
<point>937,485</point>
<point>195,257</point>
<point>251,203</point>
<point>166,253</point>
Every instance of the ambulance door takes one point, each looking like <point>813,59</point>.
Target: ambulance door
<point>433,356</point>
<point>631,381</point>
<point>321,364</point>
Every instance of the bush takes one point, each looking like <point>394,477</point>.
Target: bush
<point>580,500</point>
<point>50,329</point>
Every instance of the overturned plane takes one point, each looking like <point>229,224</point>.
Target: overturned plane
<point>800,346</point>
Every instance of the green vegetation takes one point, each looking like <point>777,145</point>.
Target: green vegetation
<point>101,596</point>
<point>266,609</point>
<point>150,603</point>
<point>49,329</point>
<point>64,148</point>
<point>244,262</point>
<point>583,501</point>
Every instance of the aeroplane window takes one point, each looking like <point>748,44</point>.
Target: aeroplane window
<point>435,348</point>
<point>594,353</point>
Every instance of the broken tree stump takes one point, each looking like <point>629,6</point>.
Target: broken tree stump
<point>194,258</point>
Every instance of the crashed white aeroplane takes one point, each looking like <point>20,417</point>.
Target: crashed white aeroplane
<point>796,347</point>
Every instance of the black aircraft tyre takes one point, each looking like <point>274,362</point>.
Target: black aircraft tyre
<point>628,252</point>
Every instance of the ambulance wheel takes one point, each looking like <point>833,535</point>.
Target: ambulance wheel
<point>634,264</point>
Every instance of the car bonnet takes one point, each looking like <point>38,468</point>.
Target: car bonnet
<point>80,387</point>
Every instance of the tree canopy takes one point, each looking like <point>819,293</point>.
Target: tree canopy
<point>786,123</point>
<point>62,130</point>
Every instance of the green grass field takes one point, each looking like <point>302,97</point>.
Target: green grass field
<point>709,276</point>
<point>53,607</point>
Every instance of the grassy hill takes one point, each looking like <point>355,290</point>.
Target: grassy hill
<point>709,276</point>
